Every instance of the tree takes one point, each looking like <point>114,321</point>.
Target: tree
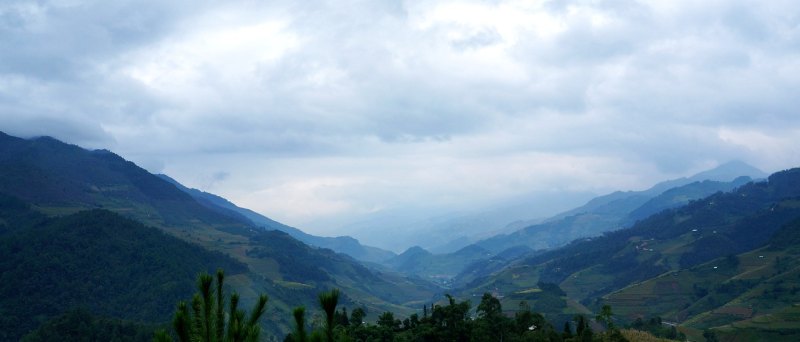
<point>206,322</point>
<point>387,320</point>
<point>328,301</point>
<point>342,319</point>
<point>452,320</point>
<point>605,317</point>
<point>299,334</point>
<point>357,317</point>
<point>387,326</point>
<point>580,324</point>
<point>490,323</point>
<point>489,308</point>
<point>587,335</point>
<point>567,333</point>
<point>710,336</point>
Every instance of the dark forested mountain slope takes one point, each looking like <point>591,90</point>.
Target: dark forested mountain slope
<point>96,260</point>
<point>680,196</point>
<point>80,325</point>
<point>58,176</point>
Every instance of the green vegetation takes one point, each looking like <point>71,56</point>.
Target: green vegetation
<point>80,325</point>
<point>642,336</point>
<point>439,268</point>
<point>59,180</point>
<point>55,175</point>
<point>719,225</point>
<point>449,321</point>
<point>119,268</point>
<point>727,265</point>
<point>656,327</point>
<point>207,321</point>
<point>726,295</point>
<point>97,260</point>
<point>712,264</point>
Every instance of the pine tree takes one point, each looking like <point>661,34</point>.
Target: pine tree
<point>567,331</point>
<point>206,321</point>
<point>328,301</point>
<point>299,334</point>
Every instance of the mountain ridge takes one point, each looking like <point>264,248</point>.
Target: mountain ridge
<point>702,236</point>
<point>342,244</point>
<point>609,212</point>
<point>58,179</point>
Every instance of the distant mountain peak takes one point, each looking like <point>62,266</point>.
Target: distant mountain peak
<point>415,250</point>
<point>729,171</point>
<point>472,249</point>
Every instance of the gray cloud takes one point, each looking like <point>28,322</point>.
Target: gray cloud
<point>314,111</point>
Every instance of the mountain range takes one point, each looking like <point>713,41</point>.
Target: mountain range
<point>601,214</point>
<point>728,263</point>
<point>609,212</point>
<point>86,235</point>
<point>57,180</point>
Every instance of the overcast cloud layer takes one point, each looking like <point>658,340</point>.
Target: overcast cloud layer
<point>316,113</point>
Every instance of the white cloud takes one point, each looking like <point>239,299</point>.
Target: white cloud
<point>323,111</point>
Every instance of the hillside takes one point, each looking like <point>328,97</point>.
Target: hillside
<point>96,260</point>
<point>341,244</point>
<point>752,292</point>
<point>700,238</point>
<point>610,212</point>
<point>604,213</point>
<point>439,268</point>
<point>60,179</point>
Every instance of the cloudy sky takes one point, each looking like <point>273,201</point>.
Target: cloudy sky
<point>317,113</point>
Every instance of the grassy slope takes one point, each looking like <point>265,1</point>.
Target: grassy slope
<point>657,247</point>
<point>723,291</point>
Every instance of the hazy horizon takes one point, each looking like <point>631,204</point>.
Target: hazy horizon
<point>320,114</point>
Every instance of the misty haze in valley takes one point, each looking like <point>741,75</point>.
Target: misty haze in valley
<point>546,170</point>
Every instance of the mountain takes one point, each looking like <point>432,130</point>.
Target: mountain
<point>410,258</point>
<point>622,202</point>
<point>729,258</point>
<point>444,232</point>
<point>62,178</point>
<point>729,171</point>
<point>439,268</point>
<point>620,209</point>
<point>601,214</point>
<point>682,195</point>
<point>96,260</point>
<point>467,229</point>
<point>341,244</point>
<point>57,179</point>
<point>736,295</point>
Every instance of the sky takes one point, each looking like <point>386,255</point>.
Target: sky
<point>321,113</point>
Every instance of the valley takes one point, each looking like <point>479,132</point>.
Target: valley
<point>702,254</point>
